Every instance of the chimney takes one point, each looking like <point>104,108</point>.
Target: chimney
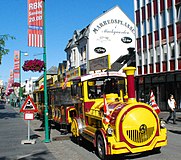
<point>129,71</point>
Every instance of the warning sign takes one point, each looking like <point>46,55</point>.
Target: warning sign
<point>28,106</point>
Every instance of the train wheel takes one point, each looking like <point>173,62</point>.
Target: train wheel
<point>100,147</point>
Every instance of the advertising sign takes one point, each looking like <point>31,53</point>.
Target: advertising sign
<point>35,23</point>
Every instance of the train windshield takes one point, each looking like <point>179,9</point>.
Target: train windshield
<point>99,86</point>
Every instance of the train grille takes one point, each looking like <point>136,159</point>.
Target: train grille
<point>140,136</point>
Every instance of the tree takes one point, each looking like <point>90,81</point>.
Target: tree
<point>3,49</point>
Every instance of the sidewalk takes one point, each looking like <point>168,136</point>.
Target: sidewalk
<point>12,131</point>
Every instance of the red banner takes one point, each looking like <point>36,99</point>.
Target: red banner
<point>35,23</point>
<point>16,60</point>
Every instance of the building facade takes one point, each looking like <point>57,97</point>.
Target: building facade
<point>158,49</point>
<point>112,33</point>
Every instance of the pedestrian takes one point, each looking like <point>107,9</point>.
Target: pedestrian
<point>172,106</point>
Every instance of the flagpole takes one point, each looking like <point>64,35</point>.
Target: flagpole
<point>47,138</point>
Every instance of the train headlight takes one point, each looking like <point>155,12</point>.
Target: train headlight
<point>162,123</point>
<point>109,131</point>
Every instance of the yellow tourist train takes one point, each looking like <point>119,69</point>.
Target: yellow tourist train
<point>102,108</point>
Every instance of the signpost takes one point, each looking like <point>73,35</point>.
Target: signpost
<point>28,108</point>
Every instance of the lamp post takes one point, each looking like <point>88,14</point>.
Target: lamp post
<point>47,136</point>
<point>20,89</point>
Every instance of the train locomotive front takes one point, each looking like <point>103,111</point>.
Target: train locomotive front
<point>129,127</point>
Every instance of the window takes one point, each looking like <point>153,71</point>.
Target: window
<point>170,13</point>
<point>151,56</point>
<point>145,58</point>
<point>164,48</point>
<point>157,54</point>
<point>98,86</point>
<point>155,7</point>
<point>149,10</point>
<point>81,54</point>
<point>144,28</point>
<point>138,30</point>
<point>140,61</point>
<point>172,48</point>
<point>143,13</point>
<point>84,53</point>
<point>150,25</point>
<point>138,4</point>
<point>163,20</point>
<point>178,9</point>
<point>156,22</point>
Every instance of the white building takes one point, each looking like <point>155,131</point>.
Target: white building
<point>112,33</point>
<point>29,86</point>
<point>158,49</point>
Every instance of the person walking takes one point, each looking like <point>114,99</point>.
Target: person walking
<point>172,106</point>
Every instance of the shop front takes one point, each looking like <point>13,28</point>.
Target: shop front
<point>162,85</point>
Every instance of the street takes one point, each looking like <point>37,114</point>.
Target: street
<point>14,129</point>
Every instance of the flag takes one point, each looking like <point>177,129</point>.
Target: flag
<point>35,23</point>
<point>107,115</point>
<point>65,82</point>
<point>153,103</point>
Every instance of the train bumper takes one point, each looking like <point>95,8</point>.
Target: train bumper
<point>122,147</point>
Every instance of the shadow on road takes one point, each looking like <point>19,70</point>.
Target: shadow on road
<point>2,106</point>
<point>89,146</point>
<point>6,115</point>
<point>32,156</point>
<point>175,131</point>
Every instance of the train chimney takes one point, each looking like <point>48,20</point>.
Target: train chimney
<point>129,71</point>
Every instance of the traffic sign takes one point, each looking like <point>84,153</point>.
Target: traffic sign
<point>29,116</point>
<point>29,106</point>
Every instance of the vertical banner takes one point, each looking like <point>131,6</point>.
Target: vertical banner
<point>35,23</point>
<point>16,64</point>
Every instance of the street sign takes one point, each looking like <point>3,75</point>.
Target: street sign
<point>29,116</point>
<point>29,106</point>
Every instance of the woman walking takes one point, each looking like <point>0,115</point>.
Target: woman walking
<point>172,106</point>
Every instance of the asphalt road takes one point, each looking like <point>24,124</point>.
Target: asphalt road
<point>14,129</point>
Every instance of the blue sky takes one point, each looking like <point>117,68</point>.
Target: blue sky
<point>62,18</point>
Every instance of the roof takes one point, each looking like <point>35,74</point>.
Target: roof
<point>52,71</point>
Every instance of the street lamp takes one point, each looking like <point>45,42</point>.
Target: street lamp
<point>20,89</point>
